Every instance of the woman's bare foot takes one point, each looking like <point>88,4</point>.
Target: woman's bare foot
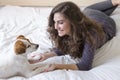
<point>115,2</point>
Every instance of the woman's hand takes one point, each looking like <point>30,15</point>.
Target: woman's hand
<point>51,67</point>
<point>43,57</point>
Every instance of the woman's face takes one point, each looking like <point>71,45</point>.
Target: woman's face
<point>62,25</point>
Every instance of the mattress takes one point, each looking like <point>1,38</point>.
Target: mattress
<point>32,22</point>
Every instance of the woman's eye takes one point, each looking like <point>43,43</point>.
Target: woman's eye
<point>60,22</point>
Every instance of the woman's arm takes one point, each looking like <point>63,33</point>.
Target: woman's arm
<point>66,66</point>
<point>58,52</point>
<point>62,66</point>
<point>85,63</point>
<point>46,55</point>
<point>49,54</point>
<point>54,52</point>
<point>43,57</point>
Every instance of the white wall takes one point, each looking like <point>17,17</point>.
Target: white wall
<point>45,2</point>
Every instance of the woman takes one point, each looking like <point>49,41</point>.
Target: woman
<point>80,34</point>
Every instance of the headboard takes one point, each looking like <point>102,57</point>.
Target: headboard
<point>45,2</point>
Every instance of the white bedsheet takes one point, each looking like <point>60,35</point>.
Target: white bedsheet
<point>32,22</point>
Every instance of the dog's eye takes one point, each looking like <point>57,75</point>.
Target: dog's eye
<point>29,46</point>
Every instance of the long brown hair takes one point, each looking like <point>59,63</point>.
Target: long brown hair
<point>82,30</point>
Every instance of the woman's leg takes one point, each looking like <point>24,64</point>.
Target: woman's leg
<point>106,7</point>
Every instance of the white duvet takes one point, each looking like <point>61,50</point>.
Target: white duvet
<point>32,22</point>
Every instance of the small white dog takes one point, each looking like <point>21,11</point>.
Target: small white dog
<point>16,63</point>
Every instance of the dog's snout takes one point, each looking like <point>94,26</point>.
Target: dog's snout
<point>37,46</point>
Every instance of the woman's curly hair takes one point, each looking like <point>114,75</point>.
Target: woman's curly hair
<point>82,30</point>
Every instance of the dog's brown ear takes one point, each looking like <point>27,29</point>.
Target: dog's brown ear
<point>19,47</point>
<point>20,37</point>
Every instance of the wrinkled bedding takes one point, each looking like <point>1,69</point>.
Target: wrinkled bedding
<point>32,22</point>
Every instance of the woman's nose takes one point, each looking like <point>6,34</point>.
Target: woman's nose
<point>56,26</point>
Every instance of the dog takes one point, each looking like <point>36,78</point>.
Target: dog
<point>16,63</point>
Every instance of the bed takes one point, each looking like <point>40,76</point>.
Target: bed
<point>32,22</point>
